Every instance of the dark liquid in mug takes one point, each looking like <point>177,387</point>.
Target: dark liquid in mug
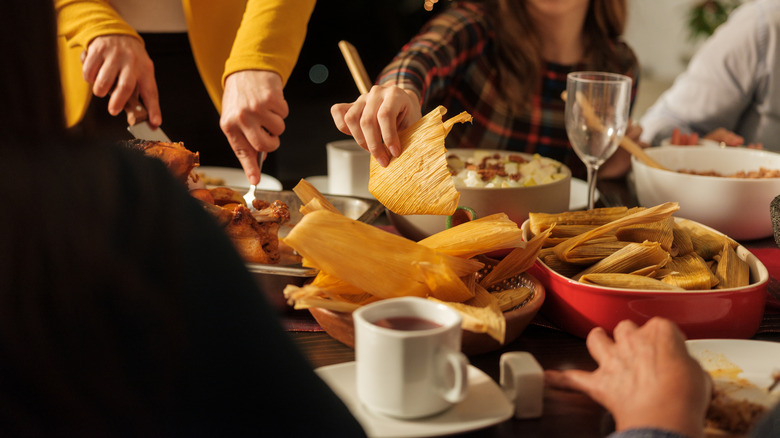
<point>406,323</point>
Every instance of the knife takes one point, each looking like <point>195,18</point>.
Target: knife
<point>137,118</point>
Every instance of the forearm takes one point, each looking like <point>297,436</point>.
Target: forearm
<point>270,36</point>
<point>80,21</point>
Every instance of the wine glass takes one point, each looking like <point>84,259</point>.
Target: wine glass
<point>597,105</point>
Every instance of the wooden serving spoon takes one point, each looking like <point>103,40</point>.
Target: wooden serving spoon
<point>626,143</point>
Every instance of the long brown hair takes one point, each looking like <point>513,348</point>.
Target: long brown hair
<point>518,45</point>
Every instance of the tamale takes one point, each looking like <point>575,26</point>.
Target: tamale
<point>481,314</point>
<point>566,269</point>
<point>731,271</point>
<point>627,281</point>
<point>309,296</point>
<point>706,243</point>
<point>511,298</point>
<point>681,244</point>
<point>643,216</point>
<point>689,272</point>
<point>659,231</point>
<point>517,261</point>
<point>378,262</point>
<point>631,258</point>
<point>597,249</point>
<point>479,236</point>
<point>311,198</point>
<point>418,181</point>
<point>598,216</point>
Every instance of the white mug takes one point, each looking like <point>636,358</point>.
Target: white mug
<point>348,168</point>
<point>408,359</point>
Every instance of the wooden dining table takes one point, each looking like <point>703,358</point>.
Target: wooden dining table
<point>565,414</point>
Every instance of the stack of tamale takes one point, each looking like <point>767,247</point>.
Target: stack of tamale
<point>640,248</point>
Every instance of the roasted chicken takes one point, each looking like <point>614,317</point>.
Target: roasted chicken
<point>179,160</point>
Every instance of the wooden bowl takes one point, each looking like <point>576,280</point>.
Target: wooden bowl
<point>340,326</point>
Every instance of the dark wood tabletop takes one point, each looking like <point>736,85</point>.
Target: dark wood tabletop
<point>566,414</point>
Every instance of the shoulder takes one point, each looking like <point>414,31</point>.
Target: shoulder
<point>459,16</point>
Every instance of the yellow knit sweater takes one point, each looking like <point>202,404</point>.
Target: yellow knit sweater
<point>226,36</point>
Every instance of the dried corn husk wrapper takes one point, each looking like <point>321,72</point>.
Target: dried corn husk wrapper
<point>519,260</point>
<point>359,254</point>
<point>598,216</point>
<point>627,281</point>
<point>705,242</point>
<point>634,258</point>
<point>642,216</point>
<point>479,236</point>
<point>661,231</point>
<point>481,314</point>
<point>418,181</point>
<point>731,271</point>
<point>312,198</point>
<point>689,272</point>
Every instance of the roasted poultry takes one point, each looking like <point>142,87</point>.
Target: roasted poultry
<point>253,232</point>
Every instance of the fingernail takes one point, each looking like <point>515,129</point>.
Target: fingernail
<point>395,150</point>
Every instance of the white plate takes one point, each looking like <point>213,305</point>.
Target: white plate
<point>485,405</point>
<point>578,194</point>
<point>745,365</point>
<point>237,178</point>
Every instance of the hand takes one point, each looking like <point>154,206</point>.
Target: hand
<point>723,135</point>
<point>646,378</point>
<point>253,113</point>
<point>119,64</point>
<point>375,118</point>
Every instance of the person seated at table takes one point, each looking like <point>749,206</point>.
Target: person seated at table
<point>124,309</point>
<point>503,61</point>
<point>649,382</point>
<point>730,91</point>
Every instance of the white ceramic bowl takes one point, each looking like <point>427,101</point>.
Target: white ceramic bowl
<point>737,207</point>
<point>516,202</point>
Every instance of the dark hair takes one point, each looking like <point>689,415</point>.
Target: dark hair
<point>88,319</point>
<point>518,45</point>
<point>32,106</point>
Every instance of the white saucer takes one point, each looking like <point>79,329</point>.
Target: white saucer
<point>484,406</point>
<point>234,177</point>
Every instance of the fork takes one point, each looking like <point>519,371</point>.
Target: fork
<point>250,195</point>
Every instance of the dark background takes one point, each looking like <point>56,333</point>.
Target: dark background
<point>378,29</point>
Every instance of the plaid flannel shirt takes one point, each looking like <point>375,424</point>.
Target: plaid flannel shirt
<point>452,62</point>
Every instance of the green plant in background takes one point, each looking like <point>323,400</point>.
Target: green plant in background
<point>707,15</point>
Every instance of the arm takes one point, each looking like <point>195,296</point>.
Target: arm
<point>416,78</point>
<point>264,53</point>
<point>716,88</point>
<point>113,55</point>
<point>645,378</point>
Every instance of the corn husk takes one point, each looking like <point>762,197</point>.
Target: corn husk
<point>308,296</point>
<point>511,298</point>
<point>539,222</point>
<point>706,243</point>
<point>689,272</point>
<point>562,232</point>
<point>597,249</point>
<point>359,254</point>
<point>481,314</point>
<point>731,270</point>
<point>518,260</point>
<point>566,269</point>
<point>681,243</point>
<point>475,237</point>
<point>634,257</point>
<point>418,181</point>
<point>627,281</point>
<point>311,198</point>
<point>643,216</point>
<point>659,231</point>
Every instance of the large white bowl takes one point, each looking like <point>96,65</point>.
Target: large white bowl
<point>737,207</point>
<point>516,202</point>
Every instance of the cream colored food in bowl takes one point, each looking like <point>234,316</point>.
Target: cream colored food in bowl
<point>737,207</point>
<point>543,185</point>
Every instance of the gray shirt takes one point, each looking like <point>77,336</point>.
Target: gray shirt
<point>733,82</point>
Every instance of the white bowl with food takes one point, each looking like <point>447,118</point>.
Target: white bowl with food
<point>735,204</point>
<point>513,187</point>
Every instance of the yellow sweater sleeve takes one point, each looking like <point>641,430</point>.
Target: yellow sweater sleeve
<point>233,35</point>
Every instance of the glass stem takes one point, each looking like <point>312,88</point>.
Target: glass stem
<point>593,172</point>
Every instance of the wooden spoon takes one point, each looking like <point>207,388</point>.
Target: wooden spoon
<point>626,143</point>
<point>356,66</point>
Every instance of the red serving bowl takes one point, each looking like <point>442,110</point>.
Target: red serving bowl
<point>718,313</point>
